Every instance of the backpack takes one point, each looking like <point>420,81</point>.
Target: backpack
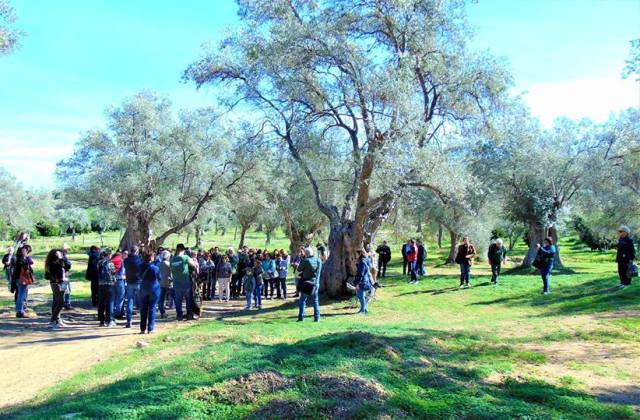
<point>106,275</point>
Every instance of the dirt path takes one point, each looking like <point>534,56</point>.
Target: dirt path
<point>37,358</point>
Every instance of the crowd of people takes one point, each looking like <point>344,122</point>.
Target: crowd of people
<point>147,281</point>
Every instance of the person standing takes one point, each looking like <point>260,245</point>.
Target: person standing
<point>269,274</point>
<point>295,263</point>
<point>106,282</point>
<point>384,256</point>
<point>248,284</point>
<point>7,265</point>
<point>496,256</point>
<point>180,264</point>
<point>54,272</point>
<point>166,281</point>
<point>363,280</point>
<point>625,255</point>
<point>216,258</point>
<point>258,275</point>
<point>420,259</point>
<point>547,255</point>
<point>412,258</point>
<point>120,288</point>
<point>22,278</point>
<point>405,261</point>
<point>149,292</point>
<point>92,273</point>
<point>132,272</point>
<point>282,266</point>
<point>464,257</point>
<point>223,273</point>
<point>310,269</point>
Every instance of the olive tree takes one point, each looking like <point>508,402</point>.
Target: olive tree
<point>373,84</point>
<point>153,171</point>
<point>9,35</point>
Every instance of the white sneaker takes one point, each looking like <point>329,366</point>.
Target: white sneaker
<point>62,323</point>
<point>461,286</point>
<point>112,324</point>
<point>622,286</point>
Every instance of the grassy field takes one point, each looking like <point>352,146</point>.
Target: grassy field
<point>425,351</point>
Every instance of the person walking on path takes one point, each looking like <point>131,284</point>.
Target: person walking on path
<point>363,280</point>
<point>464,257</point>
<point>310,269</point>
<point>106,283</point>
<point>625,255</point>
<point>496,256</point>
<point>546,256</point>
<point>54,271</point>
<point>384,256</point>
<point>149,292</point>
<point>180,264</point>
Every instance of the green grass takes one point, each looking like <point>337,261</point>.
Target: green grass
<point>425,351</point>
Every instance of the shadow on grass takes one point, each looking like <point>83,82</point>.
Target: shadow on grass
<point>583,298</point>
<point>532,271</point>
<point>349,374</point>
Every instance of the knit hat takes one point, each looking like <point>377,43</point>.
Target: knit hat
<point>624,228</point>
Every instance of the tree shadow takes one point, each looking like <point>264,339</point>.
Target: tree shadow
<point>582,298</point>
<point>350,374</point>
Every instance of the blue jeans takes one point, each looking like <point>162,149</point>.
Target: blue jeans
<point>148,300</point>
<point>361,293</point>
<point>302,304</point>
<point>257,295</point>
<point>119,291</point>
<point>465,274</point>
<point>132,296</point>
<point>183,291</point>
<point>412,270</point>
<point>23,292</point>
<point>164,293</point>
<point>249,298</point>
<point>546,278</point>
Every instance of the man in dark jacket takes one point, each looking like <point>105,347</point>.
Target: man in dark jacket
<point>625,255</point>
<point>384,256</point>
<point>405,262</point>
<point>496,255</point>
<point>310,269</point>
<point>132,270</point>
<point>93,273</point>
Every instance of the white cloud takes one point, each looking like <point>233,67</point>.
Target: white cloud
<point>576,99</point>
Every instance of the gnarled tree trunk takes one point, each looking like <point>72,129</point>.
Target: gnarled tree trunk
<point>440,236</point>
<point>536,234</point>
<point>341,263</point>
<point>243,234</point>
<point>138,231</point>
<point>453,246</point>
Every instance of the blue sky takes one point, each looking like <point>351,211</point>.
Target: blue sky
<point>80,57</point>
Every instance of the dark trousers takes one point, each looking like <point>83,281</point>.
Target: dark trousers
<point>495,272</point>
<point>546,279</point>
<point>105,303</point>
<point>236,285</point>
<point>382,268</point>
<point>465,274</point>
<point>420,267</point>
<point>281,286</point>
<point>405,263</point>
<point>58,302</point>
<point>94,291</point>
<point>623,272</point>
<point>148,300</point>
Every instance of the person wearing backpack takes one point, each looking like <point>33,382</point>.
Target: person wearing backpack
<point>54,271</point>
<point>132,273</point>
<point>363,280</point>
<point>496,256</point>
<point>7,266</point>
<point>149,293</point>
<point>310,269</point>
<point>120,288</point>
<point>625,255</point>
<point>92,274</point>
<point>180,264</point>
<point>546,255</point>
<point>22,278</point>
<point>106,281</point>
